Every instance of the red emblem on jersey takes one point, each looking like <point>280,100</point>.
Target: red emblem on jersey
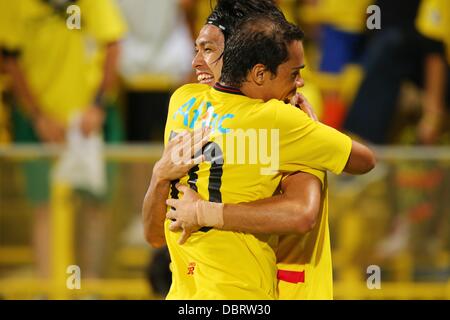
<point>191,268</point>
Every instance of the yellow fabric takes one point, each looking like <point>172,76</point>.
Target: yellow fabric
<point>347,15</point>
<point>232,265</point>
<point>433,20</point>
<point>310,253</point>
<point>63,67</point>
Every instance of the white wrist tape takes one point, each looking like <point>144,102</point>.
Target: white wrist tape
<point>210,214</point>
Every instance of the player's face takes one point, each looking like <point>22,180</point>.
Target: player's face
<point>288,79</point>
<point>208,61</point>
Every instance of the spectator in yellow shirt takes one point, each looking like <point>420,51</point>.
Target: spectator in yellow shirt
<point>58,72</point>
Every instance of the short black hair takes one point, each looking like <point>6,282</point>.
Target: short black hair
<point>258,39</point>
<point>227,14</point>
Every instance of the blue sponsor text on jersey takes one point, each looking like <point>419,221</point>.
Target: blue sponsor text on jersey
<point>204,114</point>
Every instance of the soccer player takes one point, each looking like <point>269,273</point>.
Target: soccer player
<point>212,268</point>
<point>300,198</point>
<point>301,192</point>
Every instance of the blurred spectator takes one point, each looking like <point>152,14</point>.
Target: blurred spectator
<point>157,54</point>
<point>4,119</point>
<point>4,123</point>
<point>433,22</point>
<point>341,37</point>
<point>396,53</point>
<point>58,73</point>
<point>410,47</point>
<point>297,12</point>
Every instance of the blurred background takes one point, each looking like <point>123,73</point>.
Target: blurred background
<point>66,200</point>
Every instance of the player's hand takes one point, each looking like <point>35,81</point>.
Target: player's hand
<point>299,101</point>
<point>92,120</point>
<point>185,213</point>
<point>178,156</point>
<point>49,130</point>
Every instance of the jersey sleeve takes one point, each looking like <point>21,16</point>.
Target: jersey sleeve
<point>317,173</point>
<point>304,142</point>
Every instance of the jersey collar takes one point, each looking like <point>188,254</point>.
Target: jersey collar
<point>227,89</point>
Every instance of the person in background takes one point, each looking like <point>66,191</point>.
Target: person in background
<point>433,22</point>
<point>395,54</point>
<point>58,73</point>
<point>411,47</point>
<point>151,64</point>
<point>342,24</point>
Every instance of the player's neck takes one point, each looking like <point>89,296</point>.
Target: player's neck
<point>252,90</point>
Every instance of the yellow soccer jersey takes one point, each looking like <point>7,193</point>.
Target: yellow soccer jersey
<point>215,264</point>
<point>305,270</point>
<point>63,67</point>
<point>433,20</point>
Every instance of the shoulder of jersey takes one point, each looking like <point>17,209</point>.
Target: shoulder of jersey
<point>192,87</point>
<point>285,108</point>
<point>275,103</point>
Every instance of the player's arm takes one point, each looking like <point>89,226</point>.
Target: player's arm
<point>361,159</point>
<point>154,209</point>
<point>293,211</point>
<point>304,141</point>
<point>175,162</point>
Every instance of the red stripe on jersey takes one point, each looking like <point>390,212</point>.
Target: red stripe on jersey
<point>291,276</point>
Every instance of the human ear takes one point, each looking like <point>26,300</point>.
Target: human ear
<point>258,74</point>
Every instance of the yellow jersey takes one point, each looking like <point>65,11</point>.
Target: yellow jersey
<point>63,67</point>
<point>433,20</point>
<point>305,270</point>
<point>253,143</point>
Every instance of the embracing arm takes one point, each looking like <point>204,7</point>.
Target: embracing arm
<point>154,209</point>
<point>294,211</point>
<point>326,148</point>
<point>180,150</point>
